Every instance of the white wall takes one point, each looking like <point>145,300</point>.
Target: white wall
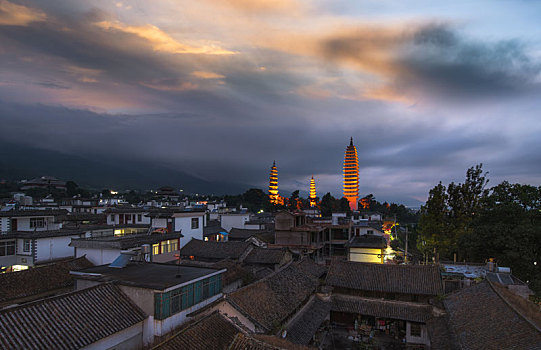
<point>229,311</point>
<point>184,225</point>
<point>4,224</point>
<point>159,223</point>
<point>98,256</point>
<point>423,339</point>
<point>228,221</point>
<point>129,338</point>
<point>23,224</point>
<point>50,248</point>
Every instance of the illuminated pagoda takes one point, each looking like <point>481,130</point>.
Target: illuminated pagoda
<point>273,185</point>
<point>351,176</point>
<point>313,192</point>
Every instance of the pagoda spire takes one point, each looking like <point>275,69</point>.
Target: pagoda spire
<point>273,184</point>
<point>312,192</point>
<point>351,175</point>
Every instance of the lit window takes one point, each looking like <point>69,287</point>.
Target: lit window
<point>155,249</point>
<point>206,238</point>
<point>195,223</point>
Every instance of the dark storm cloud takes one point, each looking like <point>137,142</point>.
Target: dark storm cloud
<point>437,60</point>
<point>241,111</point>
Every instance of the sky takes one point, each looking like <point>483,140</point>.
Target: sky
<point>219,89</point>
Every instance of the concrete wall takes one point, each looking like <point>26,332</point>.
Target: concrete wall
<point>142,297</point>
<point>23,224</point>
<point>284,221</point>
<point>50,248</point>
<point>129,338</point>
<point>98,256</point>
<point>159,223</point>
<point>184,225</point>
<point>229,311</point>
<point>228,221</point>
<point>5,224</point>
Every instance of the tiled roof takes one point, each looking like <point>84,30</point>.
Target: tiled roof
<point>39,279</point>
<point>398,310</point>
<point>211,332</point>
<point>213,229</point>
<point>366,241</point>
<point>68,321</point>
<point>407,279</point>
<point>234,272</point>
<point>214,250</point>
<point>263,342</point>
<point>303,328</point>
<point>273,299</point>
<point>265,256</point>
<point>311,268</point>
<point>440,335</point>
<point>242,233</point>
<point>245,342</point>
<point>481,319</point>
<point>25,213</point>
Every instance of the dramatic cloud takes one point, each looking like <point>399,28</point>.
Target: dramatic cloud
<point>160,41</point>
<point>219,89</point>
<point>18,15</point>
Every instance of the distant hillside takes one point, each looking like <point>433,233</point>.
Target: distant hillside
<point>19,162</point>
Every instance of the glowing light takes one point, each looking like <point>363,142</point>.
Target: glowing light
<point>351,175</point>
<point>113,192</point>
<point>273,185</point>
<point>312,192</point>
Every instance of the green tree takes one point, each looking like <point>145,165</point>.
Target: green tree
<point>326,204</point>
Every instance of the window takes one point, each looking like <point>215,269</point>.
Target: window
<point>26,245</point>
<point>113,217</point>
<point>139,217</point>
<point>155,249</point>
<point>369,232</point>
<point>7,248</point>
<point>180,299</point>
<point>415,329</point>
<point>195,223</point>
<point>37,222</point>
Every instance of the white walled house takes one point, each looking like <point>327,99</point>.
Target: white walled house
<point>104,250</point>
<point>234,220</point>
<point>190,224</point>
<point>127,216</point>
<point>108,319</point>
<point>31,220</point>
<point>167,298</point>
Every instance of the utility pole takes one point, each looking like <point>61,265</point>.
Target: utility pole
<point>406,253</point>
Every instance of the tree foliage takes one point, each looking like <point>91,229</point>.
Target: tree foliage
<point>503,222</point>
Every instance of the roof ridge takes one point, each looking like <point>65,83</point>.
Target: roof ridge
<point>190,326</point>
<point>59,296</point>
<point>397,302</point>
<point>515,309</point>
